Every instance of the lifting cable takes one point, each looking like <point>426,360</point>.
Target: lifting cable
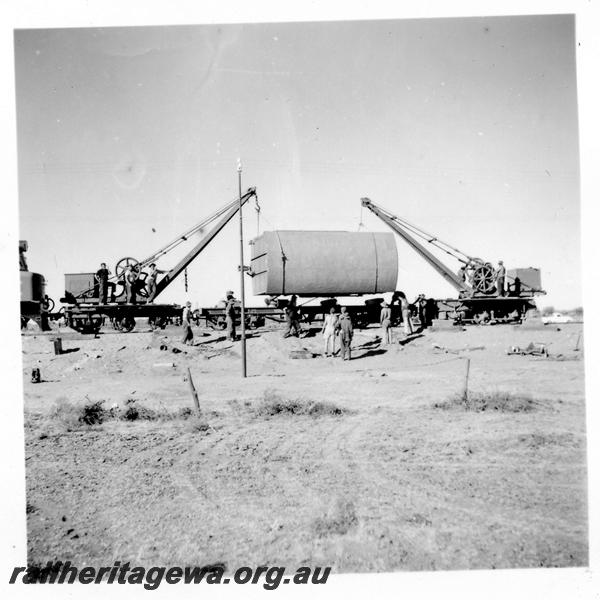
<point>257,209</point>
<point>360,223</point>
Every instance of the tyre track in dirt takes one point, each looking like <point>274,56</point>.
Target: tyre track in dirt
<point>428,484</point>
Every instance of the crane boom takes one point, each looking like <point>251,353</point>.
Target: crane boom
<point>191,255</point>
<point>391,221</point>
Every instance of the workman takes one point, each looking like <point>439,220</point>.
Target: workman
<point>150,282</point>
<point>101,278</point>
<point>131,282</point>
<point>344,327</point>
<point>330,323</point>
<point>230,316</point>
<point>462,273</point>
<point>186,321</point>
<point>421,304</point>
<point>500,278</point>
<point>405,310</point>
<point>292,318</point>
<point>385,320</point>
<point>44,310</point>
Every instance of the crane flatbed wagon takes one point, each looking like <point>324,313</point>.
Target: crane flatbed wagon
<point>481,298</point>
<point>89,318</point>
<point>85,312</point>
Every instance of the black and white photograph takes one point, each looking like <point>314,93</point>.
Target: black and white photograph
<point>299,299</point>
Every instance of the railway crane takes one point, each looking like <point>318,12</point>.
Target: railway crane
<point>477,292</point>
<point>85,313</point>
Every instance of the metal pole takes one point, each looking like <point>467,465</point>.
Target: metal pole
<point>239,169</point>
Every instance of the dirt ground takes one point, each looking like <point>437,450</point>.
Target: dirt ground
<point>364,465</point>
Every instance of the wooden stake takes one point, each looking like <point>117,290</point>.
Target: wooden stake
<point>193,391</point>
<point>466,390</point>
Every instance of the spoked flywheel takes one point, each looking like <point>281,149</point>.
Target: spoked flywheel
<point>484,278</point>
<point>122,265</point>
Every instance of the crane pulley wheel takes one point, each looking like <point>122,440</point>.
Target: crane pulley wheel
<point>484,279</point>
<point>122,265</point>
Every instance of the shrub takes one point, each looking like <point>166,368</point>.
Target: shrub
<point>73,416</point>
<point>273,403</point>
<point>500,401</point>
<point>133,412</point>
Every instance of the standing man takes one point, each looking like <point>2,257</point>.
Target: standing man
<point>101,277</point>
<point>345,333</point>
<point>330,324</point>
<point>44,310</point>
<point>291,318</point>
<point>186,321</point>
<point>421,303</point>
<point>500,278</point>
<point>385,320</point>
<point>230,316</point>
<point>462,273</point>
<point>405,309</point>
<point>150,282</point>
<point>131,277</point>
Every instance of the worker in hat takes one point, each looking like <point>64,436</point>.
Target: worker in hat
<point>292,318</point>
<point>330,323</point>
<point>385,320</point>
<point>421,304</point>
<point>150,282</point>
<point>230,316</point>
<point>186,321</point>
<point>406,316</point>
<point>345,333</point>
<point>500,278</point>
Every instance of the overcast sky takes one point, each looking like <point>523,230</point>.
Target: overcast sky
<point>466,127</point>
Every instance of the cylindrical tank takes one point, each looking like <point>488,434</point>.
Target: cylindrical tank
<point>324,263</point>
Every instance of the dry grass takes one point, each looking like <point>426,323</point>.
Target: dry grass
<point>66,416</point>
<point>486,401</point>
<point>272,404</point>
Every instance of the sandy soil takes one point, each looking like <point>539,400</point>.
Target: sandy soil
<point>377,477</point>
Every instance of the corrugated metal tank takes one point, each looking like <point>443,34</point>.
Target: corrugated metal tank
<point>324,263</point>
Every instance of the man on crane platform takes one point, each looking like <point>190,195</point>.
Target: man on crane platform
<point>500,278</point>
<point>150,282</point>
<point>131,277</point>
<point>102,279</point>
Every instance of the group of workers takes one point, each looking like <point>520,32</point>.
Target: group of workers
<point>188,316</point>
<point>132,280</point>
<point>466,274</point>
<point>340,326</point>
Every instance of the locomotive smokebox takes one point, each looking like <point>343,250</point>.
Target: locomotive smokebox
<point>324,263</point>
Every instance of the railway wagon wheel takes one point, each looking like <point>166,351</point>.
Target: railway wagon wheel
<point>159,322</point>
<point>126,323</point>
<point>484,279</point>
<point>90,323</point>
